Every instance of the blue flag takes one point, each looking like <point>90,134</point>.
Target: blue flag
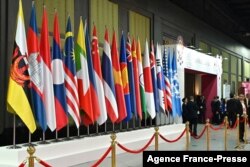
<point>176,100</point>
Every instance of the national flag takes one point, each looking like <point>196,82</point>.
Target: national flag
<point>136,80</point>
<point>72,97</point>
<point>166,64</point>
<point>92,79</point>
<point>149,94</point>
<point>83,75</point>
<point>118,82</point>
<point>17,100</point>
<point>141,78</point>
<point>125,82</point>
<point>154,78</point>
<point>58,79</point>
<point>98,76</point>
<point>131,76</point>
<point>160,79</point>
<point>48,90</point>
<point>108,80</point>
<point>177,111</point>
<point>36,75</point>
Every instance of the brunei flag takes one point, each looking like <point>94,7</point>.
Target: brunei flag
<point>149,94</point>
<point>17,101</point>
<point>124,73</point>
<point>118,82</point>
<point>36,78</point>
<point>136,80</point>
<point>141,78</point>
<point>108,80</point>
<point>98,76</point>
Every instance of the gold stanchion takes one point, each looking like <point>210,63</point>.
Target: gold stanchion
<point>187,136</point>
<point>245,128</point>
<point>156,138</point>
<point>113,153</point>
<point>225,126</point>
<point>31,150</point>
<point>208,135</point>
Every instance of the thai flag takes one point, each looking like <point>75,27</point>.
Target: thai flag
<point>72,98</point>
<point>36,75</point>
<point>58,79</point>
<point>98,77</point>
<point>48,90</point>
<point>149,94</point>
<point>125,82</point>
<point>108,80</point>
<point>131,76</point>
<point>92,79</point>
<point>160,79</point>
<point>154,78</point>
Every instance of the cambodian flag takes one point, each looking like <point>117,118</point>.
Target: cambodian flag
<point>58,79</point>
<point>36,75</point>
<point>108,80</point>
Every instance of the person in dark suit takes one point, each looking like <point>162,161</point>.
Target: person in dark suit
<point>202,109</point>
<point>232,109</point>
<point>192,116</point>
<point>248,106</point>
<point>184,109</point>
<point>215,104</point>
<point>242,109</point>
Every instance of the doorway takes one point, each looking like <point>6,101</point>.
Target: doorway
<point>199,83</point>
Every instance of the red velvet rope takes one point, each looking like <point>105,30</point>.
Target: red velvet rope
<point>235,125</point>
<point>43,162</point>
<point>175,140</point>
<point>102,158</point>
<point>23,163</point>
<point>217,128</point>
<point>136,151</point>
<point>199,136</point>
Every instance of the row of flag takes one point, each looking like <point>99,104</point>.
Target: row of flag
<point>50,88</point>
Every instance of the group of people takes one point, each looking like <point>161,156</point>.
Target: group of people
<point>194,111</point>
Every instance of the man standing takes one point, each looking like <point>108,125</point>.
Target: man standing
<point>232,109</point>
<point>192,116</point>
<point>242,110</point>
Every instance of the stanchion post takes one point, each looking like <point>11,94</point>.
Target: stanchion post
<point>208,135</point>
<point>31,150</point>
<point>238,131</point>
<point>225,126</point>
<point>245,128</point>
<point>156,138</point>
<point>113,153</point>
<point>187,136</point>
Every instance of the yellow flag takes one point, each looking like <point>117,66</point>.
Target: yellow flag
<point>17,101</point>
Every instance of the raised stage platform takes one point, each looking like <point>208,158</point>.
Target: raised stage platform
<point>78,151</point>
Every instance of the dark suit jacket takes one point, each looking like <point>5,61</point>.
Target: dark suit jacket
<point>192,109</point>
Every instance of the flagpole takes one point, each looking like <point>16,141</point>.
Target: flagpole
<point>120,126</point>
<point>43,141</point>
<point>145,120</point>
<point>14,146</point>
<point>88,130</point>
<point>133,122</point>
<point>29,142</point>
<point>113,127</point>
<point>105,127</point>
<point>150,121</point>
<point>97,132</point>
<point>127,125</point>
